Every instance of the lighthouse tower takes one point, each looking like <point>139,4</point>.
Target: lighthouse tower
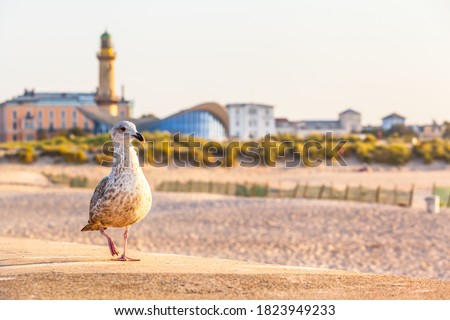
<point>106,97</point>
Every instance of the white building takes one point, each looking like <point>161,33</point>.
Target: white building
<point>391,120</point>
<point>284,126</point>
<point>349,121</point>
<point>250,121</point>
<point>430,131</point>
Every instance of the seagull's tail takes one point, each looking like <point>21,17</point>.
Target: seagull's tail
<point>90,227</point>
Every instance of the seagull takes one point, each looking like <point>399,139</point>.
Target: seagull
<point>123,197</point>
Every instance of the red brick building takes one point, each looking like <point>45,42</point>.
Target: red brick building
<point>36,114</point>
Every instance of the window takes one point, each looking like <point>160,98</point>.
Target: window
<point>14,125</point>
<point>252,111</point>
<point>63,119</point>
<point>29,137</point>
<point>122,113</point>
<point>237,123</point>
<point>14,114</point>
<point>267,111</point>
<point>14,137</point>
<point>51,115</point>
<point>74,119</point>
<point>39,115</point>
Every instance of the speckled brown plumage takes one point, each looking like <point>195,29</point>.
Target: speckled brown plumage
<point>124,196</point>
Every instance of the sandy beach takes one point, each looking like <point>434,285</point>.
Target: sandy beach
<point>421,176</point>
<point>346,236</point>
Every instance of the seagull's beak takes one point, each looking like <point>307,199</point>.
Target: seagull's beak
<point>138,136</point>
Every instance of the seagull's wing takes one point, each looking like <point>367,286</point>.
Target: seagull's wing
<point>98,196</point>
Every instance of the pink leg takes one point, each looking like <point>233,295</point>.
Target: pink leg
<point>111,245</point>
<point>123,257</point>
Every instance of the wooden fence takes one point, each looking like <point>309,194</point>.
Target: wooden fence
<point>359,193</point>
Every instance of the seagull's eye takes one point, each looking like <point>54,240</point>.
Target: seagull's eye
<point>122,129</point>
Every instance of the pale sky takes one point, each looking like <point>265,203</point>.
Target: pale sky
<point>311,59</point>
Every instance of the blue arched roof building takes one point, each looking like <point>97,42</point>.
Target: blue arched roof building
<point>207,121</point>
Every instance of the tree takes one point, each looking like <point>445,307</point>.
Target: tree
<point>75,132</point>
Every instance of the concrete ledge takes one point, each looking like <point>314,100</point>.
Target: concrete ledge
<point>36,269</point>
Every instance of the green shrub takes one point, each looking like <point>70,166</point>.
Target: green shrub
<point>315,137</point>
<point>61,140</point>
<point>74,182</point>
<point>364,151</point>
<point>57,178</point>
<point>425,150</point>
<point>437,149</point>
<point>395,154</point>
<point>79,182</point>
<point>73,155</point>
<point>27,155</point>
<point>370,138</point>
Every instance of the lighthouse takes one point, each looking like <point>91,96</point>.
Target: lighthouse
<point>106,97</point>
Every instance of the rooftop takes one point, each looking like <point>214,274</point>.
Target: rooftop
<point>281,120</point>
<point>394,115</point>
<point>349,111</point>
<point>102,117</point>
<point>30,97</point>
<point>242,105</point>
<point>106,35</point>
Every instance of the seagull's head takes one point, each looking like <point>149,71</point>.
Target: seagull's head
<point>125,130</point>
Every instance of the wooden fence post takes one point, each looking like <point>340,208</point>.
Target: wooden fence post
<point>295,191</point>
<point>433,188</point>
<point>253,190</point>
<point>210,187</point>
<point>377,194</point>
<point>331,191</point>
<point>322,188</point>
<point>395,194</point>
<point>305,191</point>
<point>347,192</point>
<point>448,201</point>
<point>411,195</point>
